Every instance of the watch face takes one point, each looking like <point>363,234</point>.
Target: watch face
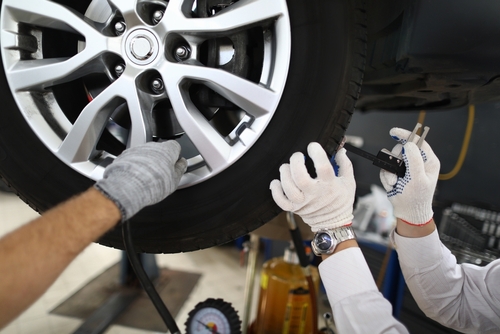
<point>323,241</point>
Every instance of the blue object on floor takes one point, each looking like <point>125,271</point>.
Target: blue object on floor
<point>393,287</point>
<point>394,284</point>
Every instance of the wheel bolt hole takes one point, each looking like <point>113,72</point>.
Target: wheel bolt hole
<point>120,28</point>
<point>157,85</point>
<point>157,16</point>
<point>119,69</point>
<point>151,12</point>
<point>182,53</point>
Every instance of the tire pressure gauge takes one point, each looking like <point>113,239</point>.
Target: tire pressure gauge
<point>213,316</point>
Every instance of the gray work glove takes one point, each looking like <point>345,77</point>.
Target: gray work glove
<point>143,175</point>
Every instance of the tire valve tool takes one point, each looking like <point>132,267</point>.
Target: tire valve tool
<point>385,159</point>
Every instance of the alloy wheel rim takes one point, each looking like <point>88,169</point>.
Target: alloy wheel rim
<point>148,54</point>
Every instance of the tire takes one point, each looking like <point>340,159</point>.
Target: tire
<point>323,76</point>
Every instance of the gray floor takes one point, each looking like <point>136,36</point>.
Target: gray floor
<point>222,277</point>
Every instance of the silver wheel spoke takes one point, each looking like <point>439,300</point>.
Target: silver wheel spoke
<point>140,112</point>
<point>51,15</point>
<point>152,70</point>
<point>10,40</point>
<point>80,142</point>
<point>212,147</point>
<point>79,145</point>
<point>126,7</point>
<point>41,73</point>
<point>241,14</point>
<point>253,98</point>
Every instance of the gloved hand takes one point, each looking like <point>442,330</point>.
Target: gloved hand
<point>143,175</point>
<point>411,195</point>
<point>323,202</point>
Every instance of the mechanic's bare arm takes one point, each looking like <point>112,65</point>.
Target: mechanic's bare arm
<point>33,256</point>
<point>412,231</point>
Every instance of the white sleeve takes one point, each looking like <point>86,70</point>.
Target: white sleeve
<point>357,305</point>
<point>463,297</point>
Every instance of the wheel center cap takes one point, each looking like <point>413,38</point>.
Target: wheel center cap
<point>141,46</point>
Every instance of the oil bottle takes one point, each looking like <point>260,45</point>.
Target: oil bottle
<point>284,301</point>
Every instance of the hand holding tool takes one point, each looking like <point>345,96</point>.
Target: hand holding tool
<point>143,175</point>
<point>389,161</point>
<point>325,201</point>
<point>411,195</point>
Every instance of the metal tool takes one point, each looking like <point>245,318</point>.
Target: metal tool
<point>385,159</point>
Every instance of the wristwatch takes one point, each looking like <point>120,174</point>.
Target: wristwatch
<point>326,240</point>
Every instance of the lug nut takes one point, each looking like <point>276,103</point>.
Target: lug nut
<point>157,16</point>
<point>120,27</point>
<point>119,69</point>
<point>157,85</point>
<point>182,52</point>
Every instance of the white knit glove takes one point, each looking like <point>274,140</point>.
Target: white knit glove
<point>323,202</point>
<point>143,175</point>
<point>411,195</point>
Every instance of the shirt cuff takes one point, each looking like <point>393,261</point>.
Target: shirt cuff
<point>346,274</point>
<point>420,252</point>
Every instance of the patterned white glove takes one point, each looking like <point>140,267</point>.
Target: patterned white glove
<point>323,202</point>
<point>143,175</point>
<point>411,195</point>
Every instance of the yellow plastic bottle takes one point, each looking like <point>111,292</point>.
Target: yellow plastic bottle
<point>284,301</point>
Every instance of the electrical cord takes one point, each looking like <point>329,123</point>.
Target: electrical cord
<point>465,143</point>
<point>145,281</point>
<point>465,147</point>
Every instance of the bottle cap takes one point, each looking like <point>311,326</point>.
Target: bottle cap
<point>291,256</point>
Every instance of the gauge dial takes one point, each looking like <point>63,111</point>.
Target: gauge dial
<point>213,316</point>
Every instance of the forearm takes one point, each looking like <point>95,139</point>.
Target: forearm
<point>367,303</point>
<point>463,297</point>
<point>35,254</point>
<point>341,246</point>
<point>367,313</point>
<point>357,305</point>
<point>414,231</point>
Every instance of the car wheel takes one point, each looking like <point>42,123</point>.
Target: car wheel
<point>241,85</point>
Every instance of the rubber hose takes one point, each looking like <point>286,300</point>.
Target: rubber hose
<point>145,281</point>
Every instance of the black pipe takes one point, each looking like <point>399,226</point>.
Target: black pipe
<point>145,281</point>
